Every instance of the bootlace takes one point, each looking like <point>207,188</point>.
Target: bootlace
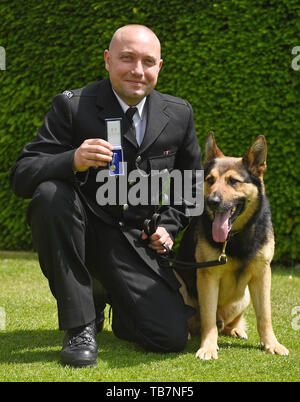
<point>81,336</point>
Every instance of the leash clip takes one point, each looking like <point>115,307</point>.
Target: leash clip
<point>223,257</point>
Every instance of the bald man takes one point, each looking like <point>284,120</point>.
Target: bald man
<point>95,253</point>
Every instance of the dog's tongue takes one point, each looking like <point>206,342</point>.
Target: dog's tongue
<point>220,226</point>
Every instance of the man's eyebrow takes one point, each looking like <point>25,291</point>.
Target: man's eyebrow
<point>124,51</point>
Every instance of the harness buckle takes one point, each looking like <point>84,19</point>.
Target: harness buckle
<point>223,256</point>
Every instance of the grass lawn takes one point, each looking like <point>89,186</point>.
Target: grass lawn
<point>30,343</point>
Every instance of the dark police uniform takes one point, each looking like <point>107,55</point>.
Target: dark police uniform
<point>77,239</point>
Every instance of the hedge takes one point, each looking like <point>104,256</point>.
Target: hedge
<point>232,60</point>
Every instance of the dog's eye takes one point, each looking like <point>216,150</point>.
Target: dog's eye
<point>210,180</point>
<point>232,181</point>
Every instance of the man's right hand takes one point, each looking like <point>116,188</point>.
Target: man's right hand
<point>92,152</point>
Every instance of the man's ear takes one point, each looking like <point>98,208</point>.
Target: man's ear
<point>160,64</point>
<point>255,159</point>
<point>211,148</point>
<point>106,59</point>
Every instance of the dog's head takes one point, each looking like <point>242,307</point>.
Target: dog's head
<point>232,186</point>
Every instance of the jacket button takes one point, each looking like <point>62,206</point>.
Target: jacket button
<point>125,207</point>
<point>121,224</point>
<point>138,159</point>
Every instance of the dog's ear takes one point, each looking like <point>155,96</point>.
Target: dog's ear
<point>211,148</point>
<point>255,159</point>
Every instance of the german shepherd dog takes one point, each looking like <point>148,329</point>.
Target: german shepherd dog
<point>237,210</point>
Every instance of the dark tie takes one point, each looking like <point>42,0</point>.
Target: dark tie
<point>130,113</point>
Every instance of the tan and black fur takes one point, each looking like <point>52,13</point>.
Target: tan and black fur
<point>233,187</point>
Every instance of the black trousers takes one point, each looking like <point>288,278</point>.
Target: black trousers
<point>75,248</point>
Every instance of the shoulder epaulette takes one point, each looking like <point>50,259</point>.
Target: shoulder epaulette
<point>69,94</point>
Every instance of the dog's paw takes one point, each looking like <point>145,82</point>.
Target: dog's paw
<point>237,333</point>
<point>207,353</point>
<point>276,349</point>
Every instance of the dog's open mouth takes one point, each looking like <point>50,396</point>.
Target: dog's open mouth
<point>223,222</point>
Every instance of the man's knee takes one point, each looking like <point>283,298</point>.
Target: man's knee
<point>51,198</point>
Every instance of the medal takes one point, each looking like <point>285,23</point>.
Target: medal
<point>113,129</point>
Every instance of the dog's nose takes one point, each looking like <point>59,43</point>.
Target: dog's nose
<point>213,202</point>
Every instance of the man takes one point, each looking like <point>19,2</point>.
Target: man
<point>79,241</point>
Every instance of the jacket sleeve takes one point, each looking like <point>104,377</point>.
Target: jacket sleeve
<point>175,217</point>
<point>49,155</point>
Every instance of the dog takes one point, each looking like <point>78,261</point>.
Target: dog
<point>236,210</point>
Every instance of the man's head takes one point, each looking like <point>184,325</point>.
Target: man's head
<point>133,62</point>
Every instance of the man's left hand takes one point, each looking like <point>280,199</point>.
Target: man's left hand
<point>156,241</point>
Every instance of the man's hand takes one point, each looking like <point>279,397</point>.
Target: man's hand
<point>157,240</point>
<point>92,152</point>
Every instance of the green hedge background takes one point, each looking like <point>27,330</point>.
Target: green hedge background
<point>232,60</point>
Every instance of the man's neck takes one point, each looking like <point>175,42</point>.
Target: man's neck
<point>125,106</point>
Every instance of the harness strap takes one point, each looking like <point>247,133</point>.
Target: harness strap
<point>196,265</point>
<point>191,265</point>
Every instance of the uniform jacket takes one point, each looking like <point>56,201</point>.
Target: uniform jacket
<point>169,143</point>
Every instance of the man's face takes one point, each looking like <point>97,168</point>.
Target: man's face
<point>133,62</point>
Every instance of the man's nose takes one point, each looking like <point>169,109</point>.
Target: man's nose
<point>138,68</point>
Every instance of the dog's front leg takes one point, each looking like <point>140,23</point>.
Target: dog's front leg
<point>208,290</point>
<point>260,291</point>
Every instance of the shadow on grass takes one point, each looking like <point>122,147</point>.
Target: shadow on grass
<point>29,346</point>
<point>224,342</point>
<point>118,353</point>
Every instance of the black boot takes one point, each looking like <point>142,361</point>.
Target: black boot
<point>80,348</point>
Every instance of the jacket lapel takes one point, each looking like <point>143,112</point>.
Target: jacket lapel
<point>107,103</point>
<point>156,121</point>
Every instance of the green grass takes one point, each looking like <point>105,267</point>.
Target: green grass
<point>30,344</point>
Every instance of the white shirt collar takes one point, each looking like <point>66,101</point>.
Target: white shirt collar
<point>124,106</point>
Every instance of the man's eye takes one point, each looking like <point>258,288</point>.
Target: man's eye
<point>149,62</point>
